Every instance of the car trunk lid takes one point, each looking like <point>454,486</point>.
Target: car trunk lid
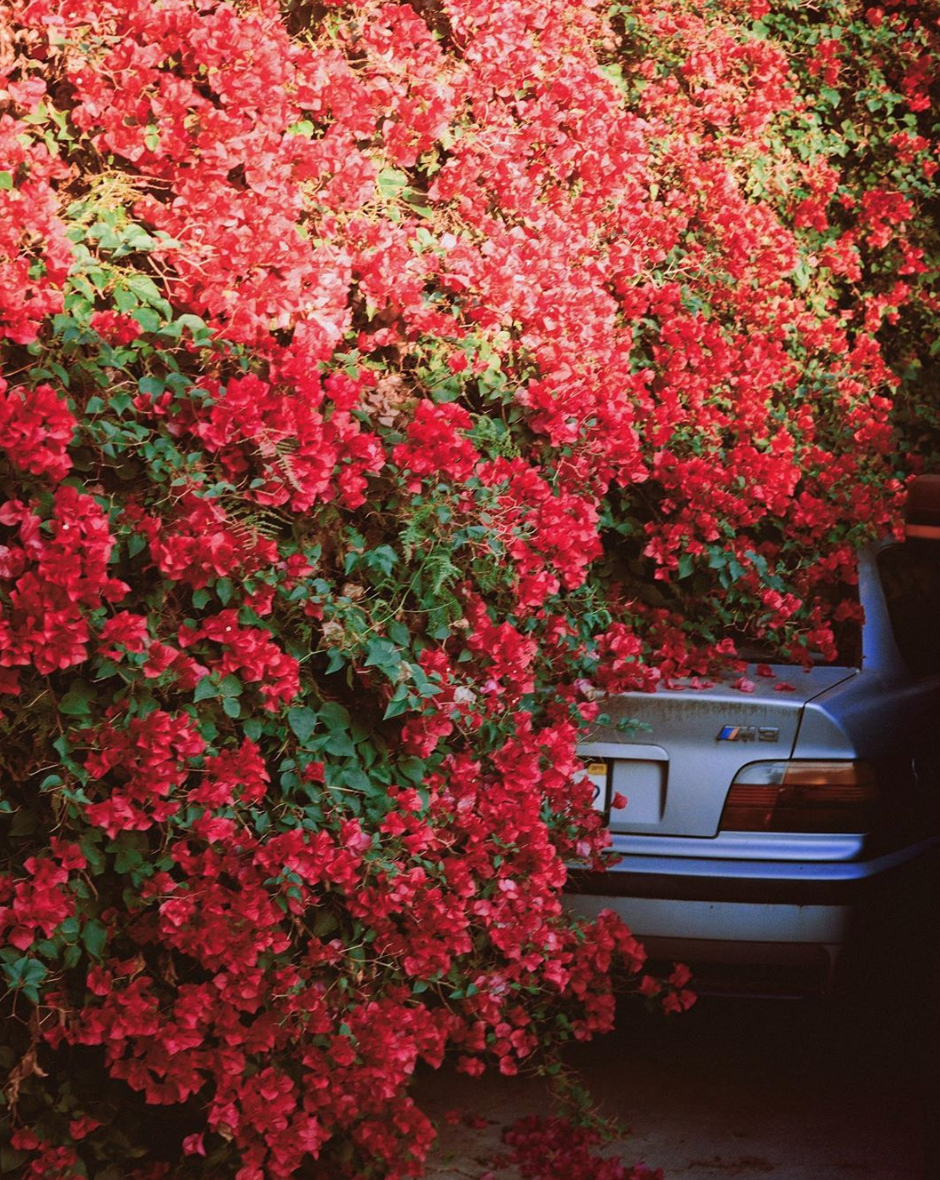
<point>675,766</point>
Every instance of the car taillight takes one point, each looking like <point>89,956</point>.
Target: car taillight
<point>801,797</point>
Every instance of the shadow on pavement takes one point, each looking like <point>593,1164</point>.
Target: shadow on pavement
<point>742,1088</point>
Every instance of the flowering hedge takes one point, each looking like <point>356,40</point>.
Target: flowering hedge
<point>379,380</point>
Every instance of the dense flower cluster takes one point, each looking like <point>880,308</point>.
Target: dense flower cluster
<point>34,251</point>
<point>56,565</point>
<point>36,427</point>
<point>383,381</point>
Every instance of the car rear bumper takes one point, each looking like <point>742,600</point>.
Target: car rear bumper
<point>724,921</point>
<point>760,913</point>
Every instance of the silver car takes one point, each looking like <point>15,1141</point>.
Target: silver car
<point>764,835</point>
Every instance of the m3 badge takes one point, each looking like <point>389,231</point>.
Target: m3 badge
<point>749,733</point>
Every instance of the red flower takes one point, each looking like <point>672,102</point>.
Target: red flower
<point>36,428</point>
<point>114,327</point>
<point>434,445</point>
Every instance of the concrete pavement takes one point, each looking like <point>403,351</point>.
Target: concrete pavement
<point>735,1088</point>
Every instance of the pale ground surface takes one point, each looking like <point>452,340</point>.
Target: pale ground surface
<point>742,1089</point>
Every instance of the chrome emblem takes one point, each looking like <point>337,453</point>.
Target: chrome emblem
<point>748,733</point>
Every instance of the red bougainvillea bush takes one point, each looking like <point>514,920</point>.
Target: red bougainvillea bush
<point>380,380</point>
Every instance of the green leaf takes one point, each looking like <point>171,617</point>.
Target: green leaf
<point>337,660</point>
<point>111,1172</point>
<point>396,708</point>
<point>356,780</point>
<point>92,853</point>
<point>24,823</point>
<point>334,715</point>
<point>399,633</point>
<point>93,937</point>
<point>148,319</point>
<point>25,974</point>
<point>69,928</point>
<point>125,300</point>
<point>391,182</point>
<point>12,1160</point>
<point>303,721</point>
<point>206,689</point>
<point>425,686</point>
<point>231,707</point>
<point>340,745</point>
<point>77,701</point>
<point>6,180</point>
<point>383,558</point>
<point>413,769</point>
<point>199,330</point>
<point>147,290</point>
<point>381,653</point>
<point>127,860</point>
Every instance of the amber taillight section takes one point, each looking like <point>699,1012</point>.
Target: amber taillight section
<point>801,797</point>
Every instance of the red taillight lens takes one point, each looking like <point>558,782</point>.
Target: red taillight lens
<point>801,797</point>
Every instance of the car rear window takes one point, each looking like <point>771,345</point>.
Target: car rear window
<point>846,630</point>
<point>910,578</point>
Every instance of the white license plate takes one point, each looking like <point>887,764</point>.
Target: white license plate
<point>598,771</point>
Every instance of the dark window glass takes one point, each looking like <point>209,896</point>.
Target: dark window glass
<point>910,577</point>
<point>847,634</point>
